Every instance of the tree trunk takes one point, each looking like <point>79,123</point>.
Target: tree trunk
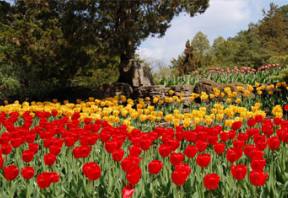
<point>125,71</point>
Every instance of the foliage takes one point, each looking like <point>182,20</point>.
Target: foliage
<point>282,76</point>
<point>163,72</point>
<point>251,78</point>
<point>49,43</point>
<point>196,54</point>
<point>262,43</point>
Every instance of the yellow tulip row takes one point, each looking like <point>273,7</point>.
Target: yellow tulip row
<point>121,110</point>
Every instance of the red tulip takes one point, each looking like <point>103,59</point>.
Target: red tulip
<point>180,174</point>
<point>236,125</point>
<point>133,176</point>
<point>258,164</point>
<point>16,142</point>
<point>117,155</point>
<point>27,155</point>
<point>84,139</point>
<point>104,136</point>
<point>219,148</point>
<point>176,158</point>
<point>274,143</point>
<point>261,143</point>
<point>145,143</point>
<point>81,151</point>
<point>70,141</point>
<point>224,136</point>
<point>30,137</point>
<point>27,172</point>
<point>111,146</point>
<point>258,118</point>
<point>238,144</point>
<point>233,154</point>
<point>251,122</point>
<point>164,150</point>
<point>54,177</point>
<point>248,149</point>
<point>212,139</point>
<point>201,145</point>
<point>252,131</point>
<point>284,137</point>
<point>285,107</point>
<point>203,160</point>
<point>92,139</point>
<point>91,170</point>
<point>54,113</point>
<point>190,136</point>
<point>211,181</point>
<point>55,149</point>
<point>134,151</point>
<point>154,167</point>
<point>75,116</point>
<point>130,163</point>
<point>239,171</point>
<point>232,134</point>
<point>277,121</point>
<point>190,151</point>
<point>243,137</point>
<point>4,138</point>
<point>1,162</point>
<point>10,172</point>
<point>6,149</point>
<point>174,144</point>
<point>258,178</point>
<point>45,179</point>
<point>49,159</point>
<point>33,147</point>
<point>127,191</point>
<point>267,128</point>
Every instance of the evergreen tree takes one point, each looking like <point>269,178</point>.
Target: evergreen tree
<point>273,30</point>
<point>55,40</point>
<point>195,55</point>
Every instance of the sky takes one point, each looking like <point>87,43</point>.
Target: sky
<point>222,18</point>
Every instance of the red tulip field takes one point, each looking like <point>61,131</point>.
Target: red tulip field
<point>50,155</point>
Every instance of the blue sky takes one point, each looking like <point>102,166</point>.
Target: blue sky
<point>223,18</point>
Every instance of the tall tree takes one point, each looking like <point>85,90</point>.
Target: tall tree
<point>200,43</point>
<point>124,24</point>
<point>250,51</point>
<point>201,49</point>
<point>274,30</point>
<point>187,62</point>
<point>56,39</point>
<point>196,54</point>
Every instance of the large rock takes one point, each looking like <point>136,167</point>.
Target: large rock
<point>116,89</point>
<point>141,74</point>
<point>206,86</point>
<point>151,91</point>
<point>185,91</point>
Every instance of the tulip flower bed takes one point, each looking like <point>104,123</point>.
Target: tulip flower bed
<point>47,155</point>
<point>245,75</point>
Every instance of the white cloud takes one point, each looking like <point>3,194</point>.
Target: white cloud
<point>222,18</point>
